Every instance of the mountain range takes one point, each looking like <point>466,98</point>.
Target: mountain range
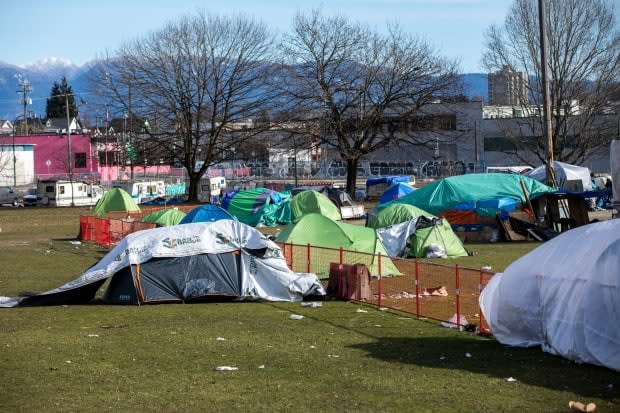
<point>41,76</point>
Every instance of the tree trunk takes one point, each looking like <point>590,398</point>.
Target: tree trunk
<point>352,176</point>
<point>194,184</point>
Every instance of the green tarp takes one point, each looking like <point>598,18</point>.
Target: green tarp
<point>259,207</point>
<point>164,217</point>
<point>446,193</point>
<point>362,245</point>
<point>310,201</point>
<point>115,200</point>
<point>435,231</point>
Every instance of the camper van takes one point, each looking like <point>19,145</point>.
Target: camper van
<point>211,189</point>
<point>57,192</point>
<point>143,191</point>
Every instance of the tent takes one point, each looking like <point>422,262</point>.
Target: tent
<point>446,193</point>
<point>377,185</point>
<point>164,217</point>
<point>259,207</point>
<point>565,175</point>
<point>183,263</point>
<point>310,201</point>
<point>115,200</point>
<point>329,235</point>
<point>396,191</point>
<point>426,231</point>
<point>206,213</point>
<point>562,296</point>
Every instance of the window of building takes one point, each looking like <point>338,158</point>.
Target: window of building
<point>80,160</point>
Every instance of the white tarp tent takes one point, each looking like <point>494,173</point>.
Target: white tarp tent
<point>564,172</point>
<point>186,262</point>
<point>563,296</point>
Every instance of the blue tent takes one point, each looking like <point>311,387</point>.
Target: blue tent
<point>396,191</point>
<point>206,213</point>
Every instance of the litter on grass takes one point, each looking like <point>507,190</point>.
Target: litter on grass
<point>452,322</point>
<point>226,368</point>
<point>312,304</point>
<point>296,317</point>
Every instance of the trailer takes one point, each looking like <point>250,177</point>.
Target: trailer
<point>62,192</point>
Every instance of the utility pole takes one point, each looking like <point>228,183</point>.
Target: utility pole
<point>69,149</point>
<point>548,131</point>
<point>25,89</point>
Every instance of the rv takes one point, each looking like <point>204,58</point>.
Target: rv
<point>211,189</point>
<point>143,191</point>
<point>57,192</point>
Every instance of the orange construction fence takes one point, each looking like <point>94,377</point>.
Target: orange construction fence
<point>441,292</point>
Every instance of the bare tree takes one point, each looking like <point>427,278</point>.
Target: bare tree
<point>198,82</point>
<point>354,85</point>
<point>584,71</point>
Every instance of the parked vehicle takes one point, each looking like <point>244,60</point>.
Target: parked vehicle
<point>9,196</point>
<point>60,192</point>
<point>143,191</point>
<point>30,197</point>
<point>211,189</point>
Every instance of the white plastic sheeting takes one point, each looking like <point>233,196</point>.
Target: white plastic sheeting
<point>564,172</point>
<point>267,277</point>
<point>563,296</point>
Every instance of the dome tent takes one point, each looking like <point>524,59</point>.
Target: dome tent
<point>398,190</point>
<point>164,217</point>
<point>562,296</point>
<point>427,230</point>
<point>184,263</point>
<point>320,231</point>
<point>115,200</point>
<point>206,213</point>
<point>307,202</point>
<point>258,207</point>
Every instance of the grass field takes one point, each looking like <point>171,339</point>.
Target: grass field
<point>339,357</point>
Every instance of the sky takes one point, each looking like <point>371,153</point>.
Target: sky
<point>82,30</point>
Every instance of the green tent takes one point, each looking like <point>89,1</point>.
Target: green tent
<point>307,202</point>
<point>164,217</point>
<point>259,207</point>
<point>360,245</point>
<point>428,230</point>
<point>446,193</point>
<point>115,200</point>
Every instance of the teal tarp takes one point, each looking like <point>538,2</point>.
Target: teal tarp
<point>446,193</point>
<point>259,207</point>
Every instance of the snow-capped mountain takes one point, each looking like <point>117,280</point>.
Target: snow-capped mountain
<point>42,75</point>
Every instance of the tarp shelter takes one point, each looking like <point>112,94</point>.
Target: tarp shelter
<point>570,177</point>
<point>424,233</point>
<point>183,263</point>
<point>562,296</point>
<point>446,193</point>
<point>376,186</point>
<point>164,217</point>
<point>309,201</point>
<point>320,231</point>
<point>259,207</point>
<point>395,191</point>
<point>206,213</point>
<point>115,200</point>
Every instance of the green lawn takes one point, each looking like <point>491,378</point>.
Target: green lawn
<point>339,357</point>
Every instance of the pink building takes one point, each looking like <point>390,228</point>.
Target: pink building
<point>51,153</point>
